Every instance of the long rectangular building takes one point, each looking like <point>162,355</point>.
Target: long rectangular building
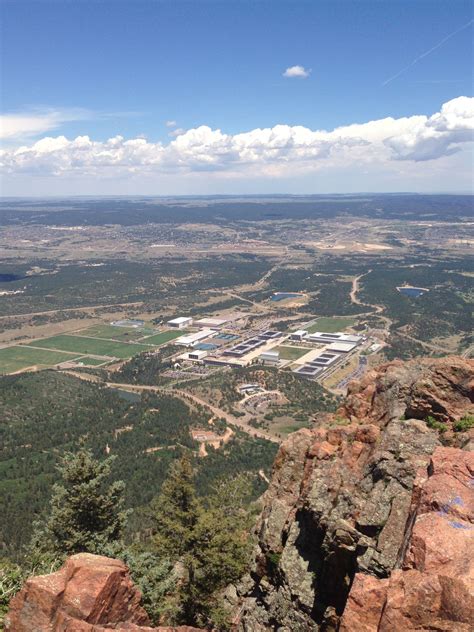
<point>320,336</point>
<point>191,340</point>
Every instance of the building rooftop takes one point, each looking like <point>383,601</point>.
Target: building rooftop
<point>336,337</point>
<point>211,322</point>
<point>342,347</point>
<point>274,355</point>
<point>180,320</point>
<point>191,339</point>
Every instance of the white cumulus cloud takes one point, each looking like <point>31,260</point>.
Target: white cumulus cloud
<point>279,151</point>
<point>297,71</point>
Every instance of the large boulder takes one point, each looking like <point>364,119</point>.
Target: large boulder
<point>90,593</point>
<point>339,516</point>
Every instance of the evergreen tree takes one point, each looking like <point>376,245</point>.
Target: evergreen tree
<point>176,511</point>
<point>86,512</point>
<point>221,547</point>
<point>209,544</point>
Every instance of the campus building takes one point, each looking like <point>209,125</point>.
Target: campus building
<point>180,323</point>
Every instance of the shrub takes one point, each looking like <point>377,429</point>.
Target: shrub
<point>464,424</point>
<point>434,424</point>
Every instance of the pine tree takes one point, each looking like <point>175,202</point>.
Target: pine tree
<point>86,512</point>
<point>176,511</point>
<point>210,542</point>
<point>221,549</point>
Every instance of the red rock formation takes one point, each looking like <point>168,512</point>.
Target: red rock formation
<point>434,588</point>
<point>89,593</point>
<point>442,388</point>
<point>368,509</point>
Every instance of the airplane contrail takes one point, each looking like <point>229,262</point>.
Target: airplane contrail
<point>426,53</point>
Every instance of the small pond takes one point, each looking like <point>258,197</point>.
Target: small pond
<point>412,292</point>
<point>9,278</point>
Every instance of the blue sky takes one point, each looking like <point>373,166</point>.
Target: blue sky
<point>102,69</point>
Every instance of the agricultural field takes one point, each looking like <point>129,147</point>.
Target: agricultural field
<point>90,346</point>
<point>22,357</point>
<point>331,325</point>
<point>291,353</point>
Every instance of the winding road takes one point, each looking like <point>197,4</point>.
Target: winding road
<point>184,395</point>
<point>374,308</point>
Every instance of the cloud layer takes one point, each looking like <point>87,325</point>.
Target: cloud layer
<point>270,152</point>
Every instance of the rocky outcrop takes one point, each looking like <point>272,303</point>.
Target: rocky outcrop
<point>441,388</point>
<point>434,587</point>
<point>89,593</point>
<point>359,508</point>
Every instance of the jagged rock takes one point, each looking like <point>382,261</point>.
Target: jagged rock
<point>442,388</point>
<point>434,588</point>
<point>342,499</point>
<point>90,593</point>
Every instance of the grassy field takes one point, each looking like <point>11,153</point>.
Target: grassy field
<point>90,346</point>
<point>331,325</point>
<point>285,425</point>
<point>110,332</point>
<point>162,337</point>
<point>291,353</point>
<point>17,358</point>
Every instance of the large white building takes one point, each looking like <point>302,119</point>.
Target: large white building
<point>180,323</point>
<point>270,357</point>
<point>342,347</point>
<point>191,340</point>
<point>211,322</point>
<point>320,336</point>
<point>198,355</point>
<point>299,335</point>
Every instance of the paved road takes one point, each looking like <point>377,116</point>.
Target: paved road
<point>356,374</point>
<point>378,309</point>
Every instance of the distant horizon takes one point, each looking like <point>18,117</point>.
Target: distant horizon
<point>232,195</point>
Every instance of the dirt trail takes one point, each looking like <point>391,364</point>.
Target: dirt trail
<point>71,309</point>
<point>218,412</point>
<point>428,345</point>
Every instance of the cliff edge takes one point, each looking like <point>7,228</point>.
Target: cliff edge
<point>367,524</point>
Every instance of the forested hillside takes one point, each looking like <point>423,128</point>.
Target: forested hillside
<point>44,414</point>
